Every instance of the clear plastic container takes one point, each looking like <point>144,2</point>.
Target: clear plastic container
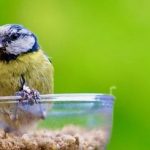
<point>72,121</point>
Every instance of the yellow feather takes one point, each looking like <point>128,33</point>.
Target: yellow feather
<point>36,69</point>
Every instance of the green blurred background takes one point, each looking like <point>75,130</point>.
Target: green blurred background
<point>95,45</point>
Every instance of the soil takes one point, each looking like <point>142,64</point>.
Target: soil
<point>68,138</point>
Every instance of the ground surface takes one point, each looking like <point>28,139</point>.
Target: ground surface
<point>69,138</point>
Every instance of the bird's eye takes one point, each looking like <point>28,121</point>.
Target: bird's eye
<point>14,36</point>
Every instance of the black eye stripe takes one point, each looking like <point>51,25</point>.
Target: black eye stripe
<point>14,36</point>
<point>17,35</point>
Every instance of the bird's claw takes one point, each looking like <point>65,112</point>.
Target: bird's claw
<point>29,96</point>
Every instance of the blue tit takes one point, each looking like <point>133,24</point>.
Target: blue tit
<point>22,64</point>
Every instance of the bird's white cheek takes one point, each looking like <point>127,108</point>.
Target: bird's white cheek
<point>21,45</point>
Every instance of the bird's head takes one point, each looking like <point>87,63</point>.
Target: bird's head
<point>16,40</point>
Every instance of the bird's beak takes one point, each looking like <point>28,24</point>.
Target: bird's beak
<point>1,45</point>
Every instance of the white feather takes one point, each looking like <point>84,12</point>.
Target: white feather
<point>4,29</point>
<point>21,45</point>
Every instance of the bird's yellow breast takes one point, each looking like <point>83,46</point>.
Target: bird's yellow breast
<point>36,69</point>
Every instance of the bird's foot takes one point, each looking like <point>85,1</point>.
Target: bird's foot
<point>28,95</point>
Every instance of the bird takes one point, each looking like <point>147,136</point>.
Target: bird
<point>27,71</point>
